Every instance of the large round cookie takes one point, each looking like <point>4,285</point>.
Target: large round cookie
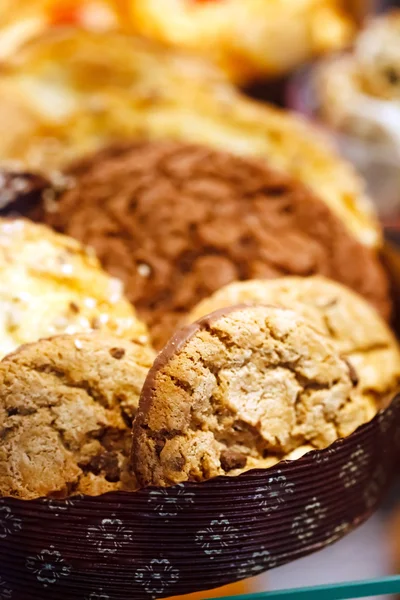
<point>353,325</point>
<point>51,284</point>
<point>239,389</point>
<point>66,408</point>
<point>176,222</point>
<point>70,92</point>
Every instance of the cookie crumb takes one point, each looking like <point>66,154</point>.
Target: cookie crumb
<point>144,270</point>
<point>117,353</point>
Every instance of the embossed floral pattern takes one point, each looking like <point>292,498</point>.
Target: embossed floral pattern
<point>337,532</point>
<point>375,487</point>
<point>274,493</point>
<point>157,576</point>
<point>64,505</point>
<point>321,457</point>
<point>110,535</point>
<point>9,524</point>
<point>306,524</point>
<point>261,560</point>
<point>5,591</point>
<point>385,420</point>
<point>98,595</point>
<point>48,566</point>
<point>357,463</point>
<point>218,536</point>
<point>169,502</point>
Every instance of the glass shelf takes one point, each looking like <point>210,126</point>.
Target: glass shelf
<point>339,591</point>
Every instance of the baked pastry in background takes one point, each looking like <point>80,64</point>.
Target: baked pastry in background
<point>176,222</point>
<point>22,20</point>
<point>50,284</point>
<point>355,328</point>
<point>359,93</point>
<point>66,408</point>
<point>255,38</point>
<point>240,389</point>
<point>70,92</point>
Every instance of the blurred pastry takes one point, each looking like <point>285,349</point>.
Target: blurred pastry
<point>256,38</point>
<point>355,328</point>
<point>50,284</point>
<point>359,93</point>
<point>66,408</point>
<point>240,389</point>
<point>22,20</point>
<point>70,92</point>
<point>176,222</point>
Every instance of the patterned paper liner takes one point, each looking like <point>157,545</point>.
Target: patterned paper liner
<point>162,542</point>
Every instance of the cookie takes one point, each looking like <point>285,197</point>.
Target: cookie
<point>236,388</point>
<point>186,220</point>
<point>353,325</point>
<point>66,409</point>
<point>51,284</point>
<point>109,86</point>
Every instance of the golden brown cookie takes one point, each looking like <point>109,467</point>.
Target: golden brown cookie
<point>236,388</point>
<point>66,408</point>
<point>188,219</point>
<point>112,87</point>
<point>51,284</point>
<point>353,325</point>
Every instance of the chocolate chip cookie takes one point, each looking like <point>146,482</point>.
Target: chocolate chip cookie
<point>356,329</point>
<point>66,409</point>
<point>236,388</point>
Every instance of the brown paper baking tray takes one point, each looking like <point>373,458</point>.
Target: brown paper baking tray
<point>157,543</point>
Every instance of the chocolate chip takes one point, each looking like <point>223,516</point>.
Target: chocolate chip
<point>74,307</point>
<point>117,353</point>
<point>392,75</point>
<point>352,372</point>
<point>230,459</point>
<point>108,464</point>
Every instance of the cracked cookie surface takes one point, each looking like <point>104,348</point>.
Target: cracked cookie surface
<point>175,222</point>
<point>356,329</point>
<point>66,409</point>
<point>50,284</point>
<point>239,389</point>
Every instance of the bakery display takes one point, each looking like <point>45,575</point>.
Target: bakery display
<point>353,325</point>
<point>248,39</point>
<point>241,220</point>
<point>70,92</point>
<point>240,389</point>
<point>359,92</point>
<point>66,405</point>
<point>236,242</point>
<point>50,284</point>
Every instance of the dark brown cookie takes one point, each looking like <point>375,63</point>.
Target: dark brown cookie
<point>176,222</point>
